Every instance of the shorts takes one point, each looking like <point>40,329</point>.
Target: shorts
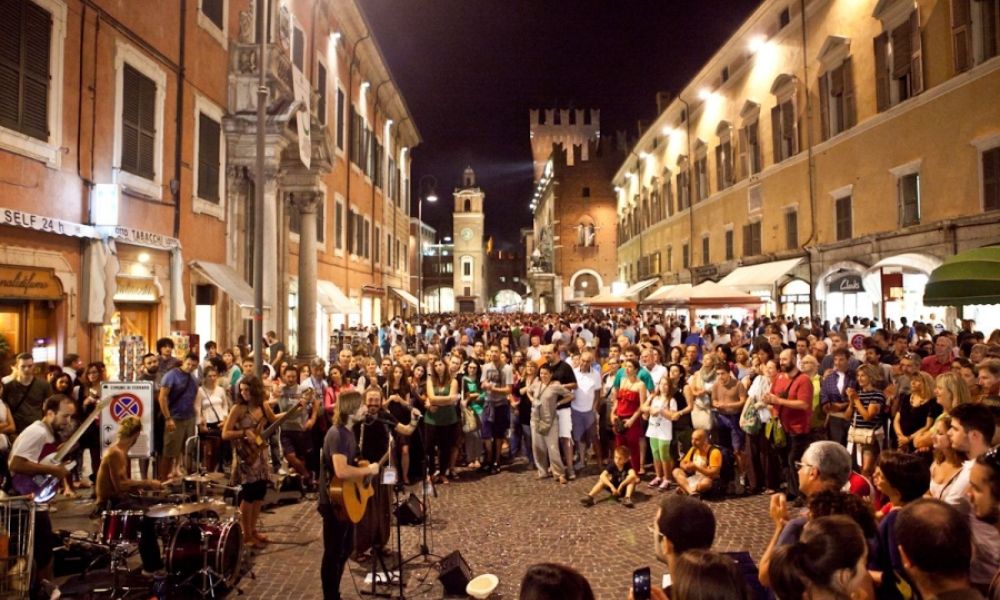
<point>295,442</point>
<point>564,416</point>
<point>173,441</point>
<point>253,491</point>
<point>496,428</point>
<point>731,423</point>
<point>583,425</point>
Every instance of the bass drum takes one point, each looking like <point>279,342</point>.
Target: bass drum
<point>223,544</point>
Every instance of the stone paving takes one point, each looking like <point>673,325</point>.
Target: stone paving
<point>502,524</point>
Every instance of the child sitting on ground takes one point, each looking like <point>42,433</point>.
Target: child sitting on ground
<point>618,477</point>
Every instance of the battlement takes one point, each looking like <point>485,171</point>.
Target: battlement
<point>571,128</point>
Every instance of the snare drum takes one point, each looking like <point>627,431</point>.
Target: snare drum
<point>223,543</point>
<point>120,526</point>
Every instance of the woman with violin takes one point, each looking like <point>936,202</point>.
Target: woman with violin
<point>243,427</point>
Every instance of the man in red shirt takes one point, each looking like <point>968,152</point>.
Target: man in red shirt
<point>791,398</point>
<point>940,361</point>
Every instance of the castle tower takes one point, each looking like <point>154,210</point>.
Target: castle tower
<point>470,255</point>
<point>569,127</point>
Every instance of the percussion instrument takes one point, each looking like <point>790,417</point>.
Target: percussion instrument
<point>120,526</point>
<point>217,545</point>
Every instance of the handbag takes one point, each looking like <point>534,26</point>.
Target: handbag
<point>750,419</point>
<point>775,432</point>
<point>861,436</point>
<point>470,422</point>
<point>702,416</point>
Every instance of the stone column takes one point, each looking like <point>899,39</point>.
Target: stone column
<point>307,203</point>
<point>269,247</point>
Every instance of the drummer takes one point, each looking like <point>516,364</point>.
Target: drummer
<point>115,489</point>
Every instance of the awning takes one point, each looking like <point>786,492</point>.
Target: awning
<point>609,301</point>
<point>638,287</point>
<point>228,280</point>
<point>335,301</point>
<point>659,293</point>
<point>667,292</point>
<point>968,278</point>
<point>710,295</point>
<point>405,296</point>
<point>762,276</point>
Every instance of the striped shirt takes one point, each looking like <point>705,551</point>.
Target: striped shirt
<point>867,399</point>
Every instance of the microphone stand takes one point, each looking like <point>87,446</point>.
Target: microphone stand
<point>427,484</point>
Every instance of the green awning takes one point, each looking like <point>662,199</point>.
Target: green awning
<point>970,277</point>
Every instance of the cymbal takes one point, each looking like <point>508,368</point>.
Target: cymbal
<point>163,511</point>
<point>198,479</point>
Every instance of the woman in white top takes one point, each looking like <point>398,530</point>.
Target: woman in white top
<point>211,408</point>
<point>660,430</point>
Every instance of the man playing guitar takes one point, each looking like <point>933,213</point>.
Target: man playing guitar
<point>337,460</point>
<point>115,487</point>
<point>26,455</point>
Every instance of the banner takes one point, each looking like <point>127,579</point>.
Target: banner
<point>304,116</point>
<point>133,398</point>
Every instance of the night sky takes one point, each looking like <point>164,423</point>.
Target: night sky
<point>471,69</point>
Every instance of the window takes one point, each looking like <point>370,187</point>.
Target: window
<point>138,123</point>
<point>378,244</point>
<point>784,18</point>
<point>991,179</point>
<point>791,229</point>
<point>724,159</point>
<point>340,119</point>
<point>751,239</point>
<point>350,231</point>
<point>909,199</point>
<point>298,47</point>
<point>670,258</point>
<point>836,92</point>
<point>845,226</point>
<point>683,189</point>
<point>357,129</point>
<point>750,154</point>
<point>367,229</point>
<point>586,192</point>
<point>321,219</point>
<point>705,257</point>
<point>686,256</point>
<point>338,225</point>
<point>468,291</point>
<point>213,11</point>
<point>667,194</point>
<point>209,158</point>
<point>899,63</point>
<point>783,130</point>
<point>729,244</point>
<point>388,249</point>
<point>701,177</point>
<point>24,68</point>
<point>321,96</point>
<point>975,31</point>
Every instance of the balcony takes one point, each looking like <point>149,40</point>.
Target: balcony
<point>244,71</point>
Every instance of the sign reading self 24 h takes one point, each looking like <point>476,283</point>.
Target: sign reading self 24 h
<point>128,398</point>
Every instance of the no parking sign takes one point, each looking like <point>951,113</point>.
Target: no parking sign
<point>128,398</point>
<point>856,340</point>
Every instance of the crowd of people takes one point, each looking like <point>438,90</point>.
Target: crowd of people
<point>870,437</point>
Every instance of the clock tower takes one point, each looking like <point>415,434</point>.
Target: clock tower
<point>470,256</point>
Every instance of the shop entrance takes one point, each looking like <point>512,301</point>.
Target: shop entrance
<point>25,325</point>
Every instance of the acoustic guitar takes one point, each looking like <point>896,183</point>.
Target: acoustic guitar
<point>249,450</point>
<point>44,487</point>
<point>349,497</point>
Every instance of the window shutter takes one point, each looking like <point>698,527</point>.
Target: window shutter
<point>719,171</point>
<point>208,158</point>
<point>991,179</point>
<point>882,97</point>
<point>321,85</point>
<point>916,54</point>
<point>776,132</point>
<point>147,126</point>
<point>847,75</point>
<point>744,166</point>
<point>824,104</point>
<point>961,40</point>
<point>747,242</point>
<point>901,50</point>
<point>130,119</point>
<point>25,33</point>
<point>788,129</point>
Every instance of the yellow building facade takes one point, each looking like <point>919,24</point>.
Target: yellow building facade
<point>826,158</point>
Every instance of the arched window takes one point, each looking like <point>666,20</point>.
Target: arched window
<point>468,264</point>
<point>468,205</point>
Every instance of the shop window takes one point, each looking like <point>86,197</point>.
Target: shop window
<point>908,189</point>
<point>836,93</point>
<point>752,239</point>
<point>844,218</point>
<point>991,179</point>
<point>729,245</point>
<point>25,68</point>
<point>898,61</point>
<point>791,230</point>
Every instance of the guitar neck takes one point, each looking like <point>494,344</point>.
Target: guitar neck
<point>73,439</point>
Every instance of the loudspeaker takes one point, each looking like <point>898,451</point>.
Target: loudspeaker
<point>455,574</point>
<point>410,512</point>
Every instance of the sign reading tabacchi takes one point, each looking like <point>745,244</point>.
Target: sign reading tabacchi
<point>29,283</point>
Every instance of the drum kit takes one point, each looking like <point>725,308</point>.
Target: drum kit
<point>199,537</point>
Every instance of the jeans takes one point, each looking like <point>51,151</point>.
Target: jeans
<point>338,542</point>
<point>520,438</point>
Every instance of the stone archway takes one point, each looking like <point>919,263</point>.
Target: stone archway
<point>585,283</point>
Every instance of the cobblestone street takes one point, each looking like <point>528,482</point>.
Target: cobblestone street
<point>501,524</point>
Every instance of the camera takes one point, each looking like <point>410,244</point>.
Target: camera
<point>641,584</point>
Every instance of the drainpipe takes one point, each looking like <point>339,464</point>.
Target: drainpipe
<point>375,107</point>
<point>810,162</point>
<point>348,141</point>
<point>175,185</point>
<point>690,191</point>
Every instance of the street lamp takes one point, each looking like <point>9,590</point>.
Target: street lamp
<point>430,196</point>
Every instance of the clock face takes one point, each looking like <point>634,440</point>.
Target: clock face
<point>466,234</point>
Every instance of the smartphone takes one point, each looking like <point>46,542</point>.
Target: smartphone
<point>641,584</point>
